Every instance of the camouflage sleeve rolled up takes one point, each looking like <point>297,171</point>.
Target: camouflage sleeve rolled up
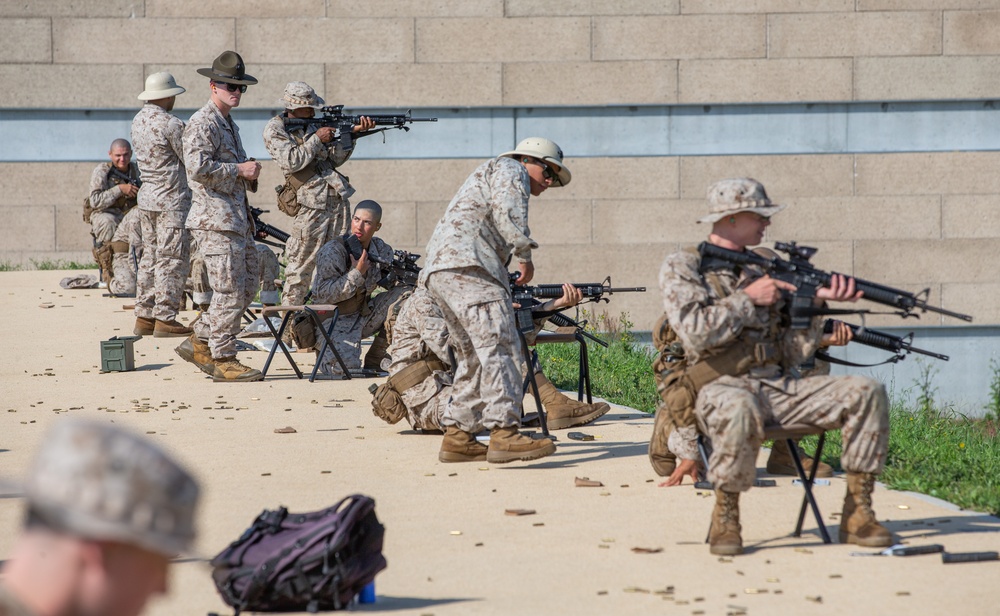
<point>104,194</point>
<point>702,322</point>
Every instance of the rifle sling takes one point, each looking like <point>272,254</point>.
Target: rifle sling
<point>297,179</point>
<point>415,374</point>
<point>843,362</point>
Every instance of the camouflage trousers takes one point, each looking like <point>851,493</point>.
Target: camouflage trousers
<point>269,273</point>
<point>231,262</point>
<point>311,229</point>
<point>351,329</point>
<point>164,267</point>
<point>124,266</point>
<point>488,388</point>
<point>426,400</point>
<point>103,225</point>
<point>733,411</point>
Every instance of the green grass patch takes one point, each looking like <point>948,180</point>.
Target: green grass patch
<point>620,373</point>
<point>6,266</point>
<point>931,450</point>
<point>938,453</point>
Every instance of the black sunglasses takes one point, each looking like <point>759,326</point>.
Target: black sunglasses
<point>232,87</point>
<point>547,171</point>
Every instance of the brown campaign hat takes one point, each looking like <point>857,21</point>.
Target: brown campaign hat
<point>228,68</point>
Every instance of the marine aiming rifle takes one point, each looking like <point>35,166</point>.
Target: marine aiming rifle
<point>335,117</point>
<point>807,279</point>
<point>267,230</point>
<point>901,346</point>
<point>137,182</point>
<point>592,291</point>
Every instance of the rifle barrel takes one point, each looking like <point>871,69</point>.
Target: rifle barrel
<point>879,293</point>
<point>888,342</point>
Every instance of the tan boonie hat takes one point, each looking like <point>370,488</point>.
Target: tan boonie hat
<point>228,68</point>
<point>543,149</point>
<point>160,85</point>
<point>299,95</point>
<point>727,197</point>
<point>98,481</point>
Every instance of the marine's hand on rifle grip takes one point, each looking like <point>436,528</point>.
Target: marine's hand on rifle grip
<point>840,335</point>
<point>361,264</point>
<point>249,170</point>
<point>571,297</point>
<point>366,124</point>
<point>527,271</point>
<point>766,291</point>
<point>129,190</point>
<point>326,134</point>
<point>841,289</point>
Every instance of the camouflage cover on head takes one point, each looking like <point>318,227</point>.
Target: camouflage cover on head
<point>99,481</point>
<point>735,195</point>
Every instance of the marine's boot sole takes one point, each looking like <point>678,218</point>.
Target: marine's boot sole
<point>501,457</point>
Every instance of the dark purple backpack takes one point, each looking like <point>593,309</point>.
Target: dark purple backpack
<point>290,562</point>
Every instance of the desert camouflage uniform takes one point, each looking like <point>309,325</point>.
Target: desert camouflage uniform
<point>733,411</point>
<point>220,221</point>
<point>325,210</point>
<point>419,333</point>
<point>337,281</point>
<point>466,275</point>
<point>109,203</point>
<point>164,202</point>
<point>269,274</point>
<point>124,264</point>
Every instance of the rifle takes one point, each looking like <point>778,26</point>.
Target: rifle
<point>807,279</point>
<point>561,320</point>
<point>900,345</point>
<point>592,291</point>
<point>403,269</point>
<point>335,117</point>
<point>137,182</point>
<point>266,229</point>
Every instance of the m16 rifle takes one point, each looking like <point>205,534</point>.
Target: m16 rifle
<point>401,270</point>
<point>592,291</point>
<point>901,346</point>
<point>267,230</point>
<point>137,182</point>
<point>344,123</point>
<point>807,279</point>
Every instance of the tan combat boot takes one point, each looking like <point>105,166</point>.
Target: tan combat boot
<point>508,444</point>
<point>661,458</point>
<point>170,329</point>
<point>461,446</point>
<point>858,523</point>
<point>144,326</point>
<point>378,351</point>
<point>196,351</point>
<point>230,370</point>
<point>780,461</point>
<point>563,412</point>
<point>724,537</point>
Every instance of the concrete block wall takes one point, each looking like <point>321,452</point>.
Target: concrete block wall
<point>913,220</point>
